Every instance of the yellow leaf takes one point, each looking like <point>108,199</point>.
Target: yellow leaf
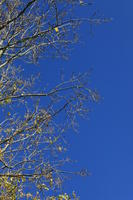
<point>39,130</point>
<point>8,113</point>
<point>51,182</point>
<point>23,179</point>
<point>40,186</point>
<point>14,86</point>
<point>60,148</point>
<point>8,100</point>
<point>56,29</point>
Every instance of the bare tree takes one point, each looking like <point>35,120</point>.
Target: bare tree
<point>35,27</point>
<point>33,135</point>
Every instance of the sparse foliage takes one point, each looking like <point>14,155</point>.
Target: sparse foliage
<point>32,135</point>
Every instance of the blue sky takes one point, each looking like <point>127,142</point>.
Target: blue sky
<point>105,142</point>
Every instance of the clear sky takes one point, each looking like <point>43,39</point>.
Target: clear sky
<point>105,142</point>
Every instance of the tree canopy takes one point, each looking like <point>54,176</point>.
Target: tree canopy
<point>33,135</point>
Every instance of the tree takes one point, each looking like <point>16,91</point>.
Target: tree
<point>33,134</point>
